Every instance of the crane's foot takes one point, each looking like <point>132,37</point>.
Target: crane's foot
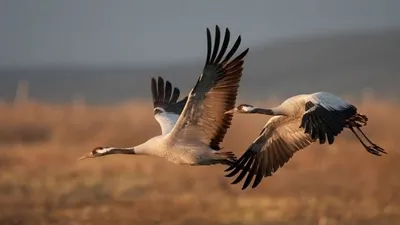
<point>375,150</point>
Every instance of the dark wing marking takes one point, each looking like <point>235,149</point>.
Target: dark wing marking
<point>279,140</point>
<point>203,118</point>
<point>324,122</point>
<point>165,97</point>
<point>166,107</point>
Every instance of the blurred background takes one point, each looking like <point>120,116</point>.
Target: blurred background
<point>76,74</point>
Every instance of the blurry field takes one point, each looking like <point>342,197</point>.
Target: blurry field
<point>42,183</point>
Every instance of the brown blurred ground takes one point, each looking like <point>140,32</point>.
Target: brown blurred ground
<point>41,182</point>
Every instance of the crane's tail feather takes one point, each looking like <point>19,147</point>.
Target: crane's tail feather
<point>358,120</point>
<point>226,158</point>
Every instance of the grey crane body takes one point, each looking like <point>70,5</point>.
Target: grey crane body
<point>193,127</point>
<point>191,152</point>
<point>296,123</point>
<point>160,146</point>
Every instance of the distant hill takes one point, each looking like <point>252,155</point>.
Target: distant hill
<point>345,64</point>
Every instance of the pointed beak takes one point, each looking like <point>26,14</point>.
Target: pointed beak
<point>230,111</point>
<point>87,156</point>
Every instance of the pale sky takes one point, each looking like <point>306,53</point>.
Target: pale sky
<point>122,32</point>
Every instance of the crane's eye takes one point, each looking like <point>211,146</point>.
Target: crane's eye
<point>94,151</point>
<point>245,106</point>
<point>241,106</point>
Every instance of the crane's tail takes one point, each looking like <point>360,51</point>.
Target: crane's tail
<point>226,158</point>
<point>357,120</point>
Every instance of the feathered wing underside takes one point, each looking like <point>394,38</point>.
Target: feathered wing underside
<point>203,118</point>
<point>166,106</point>
<point>280,138</point>
<point>325,116</point>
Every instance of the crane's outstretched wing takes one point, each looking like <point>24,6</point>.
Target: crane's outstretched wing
<point>325,116</point>
<point>166,107</point>
<point>280,138</point>
<point>203,118</point>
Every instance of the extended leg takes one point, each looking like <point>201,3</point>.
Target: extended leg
<point>375,146</point>
<point>373,149</point>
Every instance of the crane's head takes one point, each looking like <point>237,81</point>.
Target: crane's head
<point>242,108</point>
<point>97,152</point>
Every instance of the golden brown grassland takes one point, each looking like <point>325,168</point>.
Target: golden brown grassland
<point>42,183</point>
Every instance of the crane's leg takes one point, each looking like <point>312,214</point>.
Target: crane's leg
<point>357,121</point>
<point>372,144</point>
<point>371,148</point>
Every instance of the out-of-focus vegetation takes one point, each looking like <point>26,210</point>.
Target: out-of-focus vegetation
<point>42,183</point>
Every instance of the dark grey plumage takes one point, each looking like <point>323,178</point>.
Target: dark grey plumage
<point>325,123</point>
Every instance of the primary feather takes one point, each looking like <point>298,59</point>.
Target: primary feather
<point>203,117</point>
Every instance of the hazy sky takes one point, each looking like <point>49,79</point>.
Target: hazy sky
<point>105,32</point>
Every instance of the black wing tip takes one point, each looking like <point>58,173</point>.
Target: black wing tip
<point>227,33</point>
<point>217,27</point>
<point>249,167</point>
<point>231,167</point>
<point>157,79</point>
<point>239,39</point>
<point>322,123</point>
<point>246,51</point>
<point>154,90</point>
<point>241,55</point>
<point>217,39</point>
<point>163,91</point>
<point>255,184</point>
<point>177,90</point>
<point>208,34</point>
<point>247,185</point>
<point>234,48</point>
<point>243,165</point>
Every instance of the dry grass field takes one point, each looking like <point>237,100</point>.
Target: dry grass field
<point>42,183</point>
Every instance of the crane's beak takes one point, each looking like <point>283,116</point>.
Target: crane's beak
<point>230,111</point>
<point>87,156</point>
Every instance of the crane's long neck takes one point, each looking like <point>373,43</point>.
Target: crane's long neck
<point>272,111</point>
<point>116,150</point>
<point>137,150</point>
<point>263,111</point>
